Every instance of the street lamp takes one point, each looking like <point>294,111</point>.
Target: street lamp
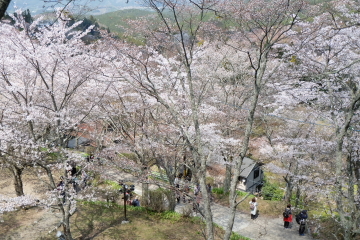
<point>60,235</point>
<point>126,191</point>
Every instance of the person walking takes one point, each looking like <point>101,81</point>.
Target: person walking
<point>302,221</point>
<point>287,214</point>
<point>253,208</point>
<point>197,189</point>
<point>177,182</point>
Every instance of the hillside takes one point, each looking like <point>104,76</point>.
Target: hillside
<point>93,7</point>
<point>115,20</point>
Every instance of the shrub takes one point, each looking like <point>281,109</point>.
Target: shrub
<point>243,194</point>
<point>114,185</point>
<point>271,191</point>
<point>218,190</point>
<point>160,199</point>
<point>170,215</point>
<point>187,211</point>
<point>235,236</point>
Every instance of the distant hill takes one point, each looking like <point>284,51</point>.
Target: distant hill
<point>92,7</point>
<point>115,20</point>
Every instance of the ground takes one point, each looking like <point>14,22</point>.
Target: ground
<point>99,222</point>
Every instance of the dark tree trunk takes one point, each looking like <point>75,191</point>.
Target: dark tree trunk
<point>3,6</point>
<point>298,195</point>
<point>145,194</point>
<point>18,184</point>
<point>289,189</point>
<point>227,180</point>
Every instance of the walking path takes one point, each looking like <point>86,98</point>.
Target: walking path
<point>262,227</point>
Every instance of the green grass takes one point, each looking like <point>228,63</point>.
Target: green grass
<point>104,221</point>
<point>171,216</point>
<point>218,190</point>
<point>114,185</point>
<point>235,236</point>
<point>116,21</point>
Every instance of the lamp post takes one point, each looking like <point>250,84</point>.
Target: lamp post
<point>125,187</point>
<point>126,191</point>
<point>60,235</point>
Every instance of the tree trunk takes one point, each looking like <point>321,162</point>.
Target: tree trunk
<point>289,188</point>
<point>66,221</point>
<point>244,149</point>
<point>18,184</point>
<point>3,7</point>
<point>145,194</point>
<point>297,198</point>
<point>207,209</point>
<point>227,181</point>
<point>339,173</point>
<point>172,200</point>
<point>64,208</point>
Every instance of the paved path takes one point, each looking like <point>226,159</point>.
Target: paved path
<point>263,228</point>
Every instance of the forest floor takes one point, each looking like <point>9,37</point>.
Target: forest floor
<point>40,223</point>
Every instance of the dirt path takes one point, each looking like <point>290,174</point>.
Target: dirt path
<point>32,223</point>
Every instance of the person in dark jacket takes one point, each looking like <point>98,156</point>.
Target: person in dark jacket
<point>303,216</point>
<point>287,216</point>
<point>136,202</point>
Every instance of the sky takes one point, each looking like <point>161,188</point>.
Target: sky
<point>97,6</point>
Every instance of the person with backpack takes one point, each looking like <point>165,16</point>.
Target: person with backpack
<point>253,208</point>
<point>136,202</point>
<point>287,214</point>
<point>301,219</point>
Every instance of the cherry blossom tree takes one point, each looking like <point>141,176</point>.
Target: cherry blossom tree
<point>165,71</point>
<point>177,72</point>
<point>257,27</point>
<point>324,77</point>
<point>49,84</point>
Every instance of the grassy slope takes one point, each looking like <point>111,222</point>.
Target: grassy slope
<point>115,20</point>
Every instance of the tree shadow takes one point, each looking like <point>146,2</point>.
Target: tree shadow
<point>94,218</point>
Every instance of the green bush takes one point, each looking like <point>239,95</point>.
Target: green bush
<point>114,185</point>
<point>218,190</point>
<point>171,215</point>
<point>156,200</point>
<point>271,191</point>
<point>235,236</point>
<point>243,194</point>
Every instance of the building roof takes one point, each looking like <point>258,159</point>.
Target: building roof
<point>246,167</point>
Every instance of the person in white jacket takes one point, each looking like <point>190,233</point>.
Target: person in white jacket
<point>253,208</point>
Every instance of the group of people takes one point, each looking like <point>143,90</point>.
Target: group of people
<point>129,201</point>
<point>73,179</point>
<point>300,219</point>
<point>128,194</point>
<point>287,216</point>
<point>183,190</point>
